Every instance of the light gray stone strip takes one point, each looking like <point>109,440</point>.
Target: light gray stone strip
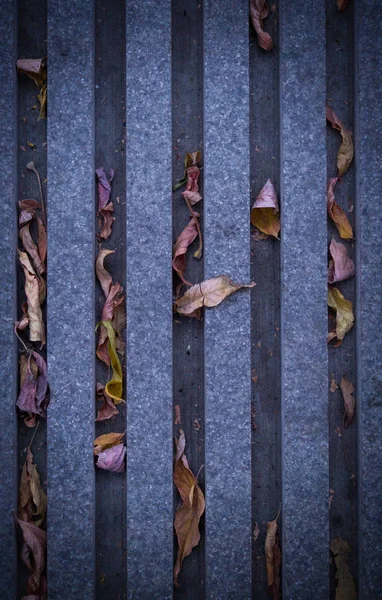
<point>70,304</point>
<point>305,471</point>
<point>227,327</point>
<point>8,244</point>
<point>368,144</point>
<point>149,301</point>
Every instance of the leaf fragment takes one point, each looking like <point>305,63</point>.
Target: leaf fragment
<point>33,555</point>
<point>346,152</point>
<point>342,4</point>
<point>108,408</point>
<point>344,313</point>
<point>105,207</point>
<point>345,589</point>
<point>31,248</point>
<point>273,559</point>
<point>112,459</point>
<point>32,292</point>
<point>347,390</point>
<point>264,213</point>
<point>35,68</point>
<point>258,10</point>
<point>341,267</point>
<point>209,293</point>
<point>113,387</point>
<point>184,240</point>
<point>188,515</point>
<point>32,498</point>
<point>336,213</point>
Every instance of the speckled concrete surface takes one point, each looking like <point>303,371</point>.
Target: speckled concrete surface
<point>149,301</point>
<point>70,305</point>
<point>8,242</point>
<point>227,327</point>
<point>305,543</point>
<point>369,314</point>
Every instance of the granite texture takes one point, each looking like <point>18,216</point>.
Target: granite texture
<point>305,469</point>
<point>70,303</point>
<point>149,301</point>
<point>8,243</point>
<point>227,327</point>
<point>369,315</point>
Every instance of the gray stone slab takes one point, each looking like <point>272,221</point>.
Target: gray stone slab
<point>70,303</point>
<point>8,244</point>
<point>149,301</point>
<point>369,279</point>
<point>305,470</point>
<point>227,327</point>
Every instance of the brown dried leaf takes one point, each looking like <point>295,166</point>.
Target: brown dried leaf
<point>273,559</point>
<point>103,275</point>
<point>105,207</point>
<point>256,532</point>
<point>178,419</point>
<point>107,440</point>
<point>33,555</point>
<point>192,158</point>
<point>347,390</point>
<point>33,396</point>
<point>112,459</point>
<point>258,10</point>
<point>191,193</point>
<point>31,248</point>
<point>108,408</point>
<point>345,589</point>
<point>333,385</point>
<point>27,210</point>
<point>35,68</point>
<point>210,292</point>
<point>341,267</point>
<point>32,292</point>
<point>264,213</point>
<point>346,151</point>
<point>344,310</point>
<point>181,245</point>
<point>32,498</point>
<point>336,213</point>
<point>342,4</point>
<point>188,515</point>
<point>42,241</point>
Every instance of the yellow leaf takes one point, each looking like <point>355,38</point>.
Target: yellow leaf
<point>344,310</point>
<point>107,440</point>
<point>113,387</point>
<point>264,213</point>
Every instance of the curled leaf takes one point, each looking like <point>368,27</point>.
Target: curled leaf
<point>258,10</point>
<point>103,275</point>
<point>345,589</point>
<point>33,555</point>
<point>35,68</point>
<point>113,387</point>
<point>347,390</point>
<point>188,515</point>
<point>191,192</point>
<point>181,245</point>
<point>112,459</point>
<point>264,213</point>
<point>108,408</point>
<point>273,559</point>
<point>341,267</point>
<point>336,213</point>
<point>210,292</point>
<point>31,248</point>
<point>344,310</point>
<point>32,292</point>
<point>105,207</point>
<point>32,498</point>
<point>107,440</point>
<point>33,396</point>
<point>346,151</point>
<point>27,210</point>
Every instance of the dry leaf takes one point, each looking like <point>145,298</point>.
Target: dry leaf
<point>178,419</point>
<point>107,440</point>
<point>210,292</point>
<point>32,498</point>
<point>344,310</point>
<point>108,408</point>
<point>33,396</point>
<point>105,207</point>
<point>347,390</point>
<point>258,10</point>
<point>346,151</point>
<point>35,68</point>
<point>181,245</point>
<point>341,267</point>
<point>27,210</point>
<point>188,515</point>
<point>42,241</point>
<point>112,459</point>
<point>32,292</point>
<point>24,321</point>
<point>33,555</point>
<point>264,213</point>
<point>113,310</point>
<point>342,4</point>
<point>191,193</point>
<point>113,387</point>
<point>345,589</point>
<point>273,560</point>
<point>256,531</point>
<point>192,158</point>
<point>333,386</point>
<point>336,213</point>
<point>31,248</point>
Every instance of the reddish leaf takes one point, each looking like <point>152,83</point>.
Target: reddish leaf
<point>33,555</point>
<point>341,267</point>
<point>264,213</point>
<point>347,390</point>
<point>108,408</point>
<point>273,560</point>
<point>184,240</point>
<point>112,459</point>
<point>336,213</point>
<point>33,398</point>
<point>191,193</point>
<point>105,207</point>
<point>258,10</point>
<point>27,210</point>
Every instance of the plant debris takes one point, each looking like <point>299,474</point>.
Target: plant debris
<point>345,589</point>
<point>273,559</point>
<point>336,213</point>
<point>347,390</point>
<point>346,152</point>
<point>258,11</point>
<point>36,69</point>
<point>105,207</point>
<point>341,267</point>
<point>344,314</point>
<point>264,213</point>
